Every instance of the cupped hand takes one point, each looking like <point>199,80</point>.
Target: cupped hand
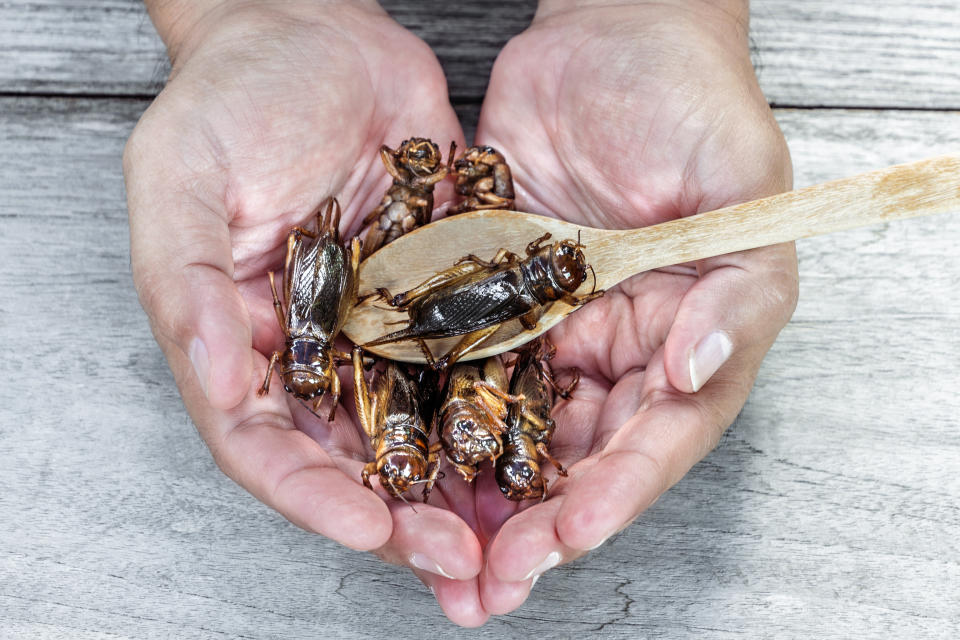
<point>270,109</point>
<point>620,117</point>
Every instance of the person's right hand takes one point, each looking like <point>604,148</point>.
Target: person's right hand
<point>270,109</point>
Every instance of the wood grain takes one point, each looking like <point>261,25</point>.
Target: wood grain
<point>885,53</point>
<point>816,53</point>
<point>829,509</point>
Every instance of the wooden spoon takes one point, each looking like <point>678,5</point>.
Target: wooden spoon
<point>903,191</point>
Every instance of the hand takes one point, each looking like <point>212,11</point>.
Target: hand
<point>620,117</point>
<point>270,109</point>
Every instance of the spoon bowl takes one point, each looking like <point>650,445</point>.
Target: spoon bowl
<point>920,188</point>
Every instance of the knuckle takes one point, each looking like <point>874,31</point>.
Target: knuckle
<point>158,297</point>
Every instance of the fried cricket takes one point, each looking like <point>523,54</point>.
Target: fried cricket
<point>484,179</point>
<point>471,417</point>
<point>393,417</point>
<point>320,287</point>
<point>474,297</point>
<point>530,428</point>
<point>416,167</point>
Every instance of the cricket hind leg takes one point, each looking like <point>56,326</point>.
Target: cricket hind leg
<point>433,283</point>
<point>467,343</point>
<point>330,222</point>
<point>502,257</point>
<point>277,305</point>
<point>361,396</point>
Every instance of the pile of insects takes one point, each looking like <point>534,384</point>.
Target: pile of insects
<point>478,411</point>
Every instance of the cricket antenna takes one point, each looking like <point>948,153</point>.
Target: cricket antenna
<point>310,409</point>
<point>594,289</point>
<point>398,494</point>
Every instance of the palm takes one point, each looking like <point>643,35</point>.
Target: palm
<point>278,173</point>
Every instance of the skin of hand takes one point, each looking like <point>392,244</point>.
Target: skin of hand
<point>272,107</point>
<point>624,116</point>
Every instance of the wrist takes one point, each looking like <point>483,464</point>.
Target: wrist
<point>181,24</point>
<point>734,14</point>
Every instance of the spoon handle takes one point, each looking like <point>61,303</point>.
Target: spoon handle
<point>902,191</point>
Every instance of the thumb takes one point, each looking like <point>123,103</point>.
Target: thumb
<point>183,271</point>
<point>739,304</point>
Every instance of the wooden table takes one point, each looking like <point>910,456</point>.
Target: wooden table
<point>830,509</point>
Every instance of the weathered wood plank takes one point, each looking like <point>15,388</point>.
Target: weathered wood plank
<point>828,510</point>
<point>885,53</point>
<point>865,53</point>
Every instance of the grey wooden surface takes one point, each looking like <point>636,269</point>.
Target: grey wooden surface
<point>830,509</point>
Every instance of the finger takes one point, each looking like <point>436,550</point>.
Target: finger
<point>492,508</point>
<point>499,597</point>
<point>432,540</point>
<point>526,547</point>
<point>257,445</point>
<point>182,268</point>
<point>459,599</point>
<point>667,435</point>
<point>740,302</point>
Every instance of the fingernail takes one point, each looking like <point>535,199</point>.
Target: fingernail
<point>599,544</point>
<point>711,352</point>
<point>552,560</point>
<point>201,362</point>
<point>425,563</point>
<point>532,584</point>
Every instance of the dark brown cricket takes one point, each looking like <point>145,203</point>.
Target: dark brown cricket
<point>471,416</point>
<point>530,426</point>
<point>474,297</point>
<point>397,418</point>
<point>484,179</point>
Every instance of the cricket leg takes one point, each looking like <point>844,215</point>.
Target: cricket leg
<point>502,257</point>
<point>434,282</point>
<point>334,394</point>
<point>427,354</point>
<point>433,468</point>
<point>369,469</point>
<point>574,301</point>
<point>387,156</point>
<point>537,244</point>
<point>277,305</point>
<point>542,450</point>
<point>361,396</point>
<point>468,472</point>
<point>529,320</point>
<point>265,388</point>
<point>467,343</point>
<point>565,392</point>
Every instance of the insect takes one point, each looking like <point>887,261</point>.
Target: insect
<point>529,425</point>
<point>473,297</point>
<point>416,167</point>
<point>484,177</point>
<point>472,414</point>
<point>397,419</point>
<point>320,287</point>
